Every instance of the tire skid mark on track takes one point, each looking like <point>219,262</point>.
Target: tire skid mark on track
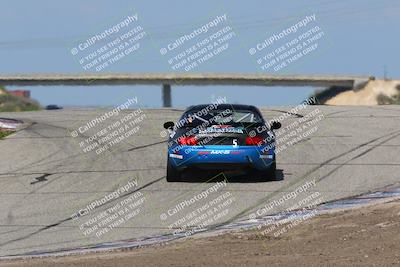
<point>336,112</point>
<point>70,218</point>
<point>41,178</point>
<point>85,171</point>
<point>263,200</point>
<point>38,162</point>
<point>345,164</point>
<point>74,156</point>
<point>172,190</point>
<point>287,112</point>
<point>30,129</point>
<point>364,116</point>
<point>36,137</point>
<point>382,196</point>
<point>357,156</point>
<point>344,144</point>
<point>395,133</point>
<point>144,146</point>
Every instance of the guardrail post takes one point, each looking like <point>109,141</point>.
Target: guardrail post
<point>166,96</point>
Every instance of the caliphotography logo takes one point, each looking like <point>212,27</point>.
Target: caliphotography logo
<point>158,133</point>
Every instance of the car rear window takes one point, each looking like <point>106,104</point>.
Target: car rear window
<point>218,117</point>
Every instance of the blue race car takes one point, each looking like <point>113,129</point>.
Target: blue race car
<point>221,137</point>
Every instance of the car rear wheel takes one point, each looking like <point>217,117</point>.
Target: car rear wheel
<point>270,174</point>
<point>173,175</point>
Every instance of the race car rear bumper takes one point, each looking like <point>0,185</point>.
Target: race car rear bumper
<point>221,157</point>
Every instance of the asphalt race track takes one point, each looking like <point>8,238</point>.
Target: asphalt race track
<point>45,177</point>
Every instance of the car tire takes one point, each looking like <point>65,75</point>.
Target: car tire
<point>173,175</point>
<point>269,174</point>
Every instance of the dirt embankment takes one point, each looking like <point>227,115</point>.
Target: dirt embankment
<point>362,237</point>
<point>12,103</point>
<point>369,95</point>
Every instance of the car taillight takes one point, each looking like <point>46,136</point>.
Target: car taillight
<point>253,141</point>
<point>187,140</point>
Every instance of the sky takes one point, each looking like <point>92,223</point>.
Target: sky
<point>360,37</point>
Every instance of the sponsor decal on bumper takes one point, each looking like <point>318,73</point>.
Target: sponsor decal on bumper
<point>219,152</point>
<point>266,156</point>
<point>176,156</point>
